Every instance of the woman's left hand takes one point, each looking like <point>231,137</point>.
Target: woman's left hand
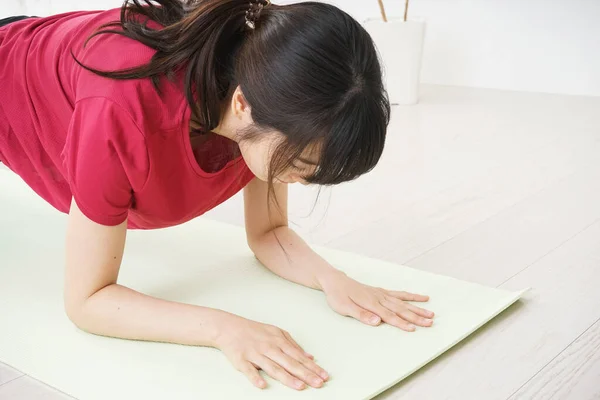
<point>372,305</point>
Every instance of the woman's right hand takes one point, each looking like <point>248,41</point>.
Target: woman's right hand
<point>251,345</point>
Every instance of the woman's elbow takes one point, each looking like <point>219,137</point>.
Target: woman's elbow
<point>73,309</point>
<point>76,311</point>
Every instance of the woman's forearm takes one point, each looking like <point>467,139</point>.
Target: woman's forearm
<point>118,311</point>
<point>287,255</point>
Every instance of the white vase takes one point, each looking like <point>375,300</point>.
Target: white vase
<point>400,45</point>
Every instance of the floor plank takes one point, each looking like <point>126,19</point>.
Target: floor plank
<point>26,388</point>
<point>493,251</point>
<point>498,359</point>
<point>573,374</point>
<point>411,230</point>
<point>8,373</point>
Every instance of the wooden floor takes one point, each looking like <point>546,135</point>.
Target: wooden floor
<point>499,188</point>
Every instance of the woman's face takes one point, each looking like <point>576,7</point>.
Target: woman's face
<point>258,152</point>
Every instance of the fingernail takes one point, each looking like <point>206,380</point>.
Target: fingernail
<point>309,355</point>
<point>324,375</point>
<point>316,381</point>
<point>299,384</point>
<point>411,327</point>
<point>261,383</point>
<point>374,320</point>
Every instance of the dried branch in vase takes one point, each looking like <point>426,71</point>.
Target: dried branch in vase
<point>382,9</point>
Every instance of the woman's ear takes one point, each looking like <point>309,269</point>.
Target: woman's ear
<point>241,108</point>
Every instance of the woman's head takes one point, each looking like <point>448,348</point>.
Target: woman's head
<point>304,85</point>
<point>258,146</point>
<point>312,80</point>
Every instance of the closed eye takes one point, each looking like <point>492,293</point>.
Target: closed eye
<point>299,168</point>
<point>307,162</point>
<point>303,171</point>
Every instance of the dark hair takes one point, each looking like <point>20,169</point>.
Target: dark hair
<point>307,70</point>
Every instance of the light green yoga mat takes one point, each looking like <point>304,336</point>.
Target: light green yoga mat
<point>208,263</point>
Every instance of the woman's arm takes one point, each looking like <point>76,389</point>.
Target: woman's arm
<point>268,236</point>
<point>277,246</point>
<point>97,304</point>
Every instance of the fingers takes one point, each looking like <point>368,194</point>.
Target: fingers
<point>305,361</point>
<point>271,349</point>
<point>415,319</point>
<point>400,308</point>
<point>419,311</point>
<point>286,362</point>
<point>353,310</point>
<point>407,296</point>
<point>296,368</point>
<point>391,318</point>
<point>276,371</point>
<point>392,311</point>
<point>252,374</point>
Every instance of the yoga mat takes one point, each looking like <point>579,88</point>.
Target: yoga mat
<point>208,263</point>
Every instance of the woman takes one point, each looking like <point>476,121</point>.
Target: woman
<point>148,116</point>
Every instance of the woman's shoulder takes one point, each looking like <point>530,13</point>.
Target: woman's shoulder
<point>155,106</point>
<point>153,109</point>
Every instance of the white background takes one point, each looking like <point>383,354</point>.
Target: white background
<point>525,45</point>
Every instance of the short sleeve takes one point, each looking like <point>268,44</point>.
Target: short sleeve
<point>106,160</point>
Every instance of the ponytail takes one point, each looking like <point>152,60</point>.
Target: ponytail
<point>200,37</point>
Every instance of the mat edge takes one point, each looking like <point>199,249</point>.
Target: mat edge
<point>516,297</point>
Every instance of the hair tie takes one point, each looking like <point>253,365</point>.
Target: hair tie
<point>253,12</point>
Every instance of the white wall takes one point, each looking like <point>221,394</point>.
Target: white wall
<point>527,45</point>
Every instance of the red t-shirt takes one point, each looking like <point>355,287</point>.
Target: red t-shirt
<point>119,148</point>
